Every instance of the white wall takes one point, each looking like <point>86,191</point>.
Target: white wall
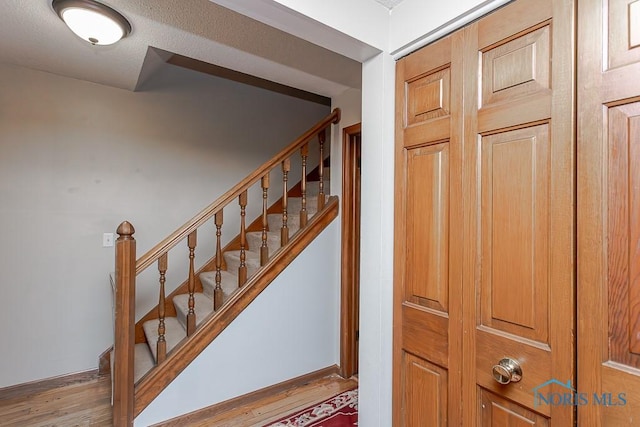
<point>376,268</point>
<point>76,159</point>
<point>288,331</point>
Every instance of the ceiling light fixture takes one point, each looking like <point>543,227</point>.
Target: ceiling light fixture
<point>92,21</point>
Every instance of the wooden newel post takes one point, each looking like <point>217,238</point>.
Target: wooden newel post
<point>124,339</point>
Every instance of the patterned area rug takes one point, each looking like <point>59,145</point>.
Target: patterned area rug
<point>339,411</point>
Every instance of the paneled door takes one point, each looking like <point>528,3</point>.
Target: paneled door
<point>609,212</point>
<point>484,282</point>
<point>519,189</point>
<point>428,234</point>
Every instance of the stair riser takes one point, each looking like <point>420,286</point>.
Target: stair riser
<point>275,223</point>
<point>233,263</point>
<point>294,205</point>
<point>254,240</point>
<point>313,188</point>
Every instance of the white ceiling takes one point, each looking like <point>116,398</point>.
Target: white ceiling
<point>32,35</point>
<point>389,4</point>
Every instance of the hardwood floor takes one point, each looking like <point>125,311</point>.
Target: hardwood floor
<point>88,403</point>
<point>84,403</point>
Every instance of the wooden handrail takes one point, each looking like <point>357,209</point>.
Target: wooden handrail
<point>177,236</point>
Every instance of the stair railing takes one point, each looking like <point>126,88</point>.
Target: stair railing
<point>127,267</point>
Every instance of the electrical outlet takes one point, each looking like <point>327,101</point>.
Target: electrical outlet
<point>107,240</point>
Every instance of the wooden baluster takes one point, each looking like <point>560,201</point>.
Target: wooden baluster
<point>217,292</point>
<point>304,216</point>
<point>322,135</point>
<point>242,270</point>
<point>162,343</point>
<point>284,232</point>
<point>264,249</point>
<point>191,315</point>
<point>125,321</point>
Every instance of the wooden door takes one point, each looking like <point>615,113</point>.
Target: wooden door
<point>609,212</point>
<point>428,237</point>
<point>485,221</point>
<point>519,189</point>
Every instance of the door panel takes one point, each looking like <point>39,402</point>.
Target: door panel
<point>428,240</point>
<point>427,245</point>
<point>609,211</point>
<point>497,411</point>
<point>425,393</point>
<point>624,233</point>
<point>515,71</point>
<point>520,187</point>
<point>428,97</point>
<point>517,68</point>
<point>623,38</point>
<point>514,177</point>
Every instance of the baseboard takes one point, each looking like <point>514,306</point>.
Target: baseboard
<point>227,405</point>
<point>25,389</point>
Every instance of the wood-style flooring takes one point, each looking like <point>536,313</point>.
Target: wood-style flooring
<point>84,401</point>
<point>88,403</point>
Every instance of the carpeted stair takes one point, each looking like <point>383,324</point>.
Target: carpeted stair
<point>175,327</point>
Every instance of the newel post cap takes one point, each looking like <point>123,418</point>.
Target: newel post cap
<point>125,230</point>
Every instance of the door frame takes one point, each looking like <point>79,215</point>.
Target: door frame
<point>350,250</point>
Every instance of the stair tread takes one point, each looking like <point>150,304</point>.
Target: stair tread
<point>294,205</point>
<point>203,306</point>
<point>143,361</point>
<point>174,333</point>
<point>228,283</point>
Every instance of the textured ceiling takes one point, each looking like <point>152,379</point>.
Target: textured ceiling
<point>389,4</point>
<point>31,35</point>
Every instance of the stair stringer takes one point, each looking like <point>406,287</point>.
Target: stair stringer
<point>152,384</point>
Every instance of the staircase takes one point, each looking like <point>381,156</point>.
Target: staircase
<point>176,326</point>
<point>149,354</point>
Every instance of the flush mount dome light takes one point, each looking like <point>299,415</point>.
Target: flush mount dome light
<point>92,21</point>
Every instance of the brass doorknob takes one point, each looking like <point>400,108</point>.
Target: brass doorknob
<point>507,371</point>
